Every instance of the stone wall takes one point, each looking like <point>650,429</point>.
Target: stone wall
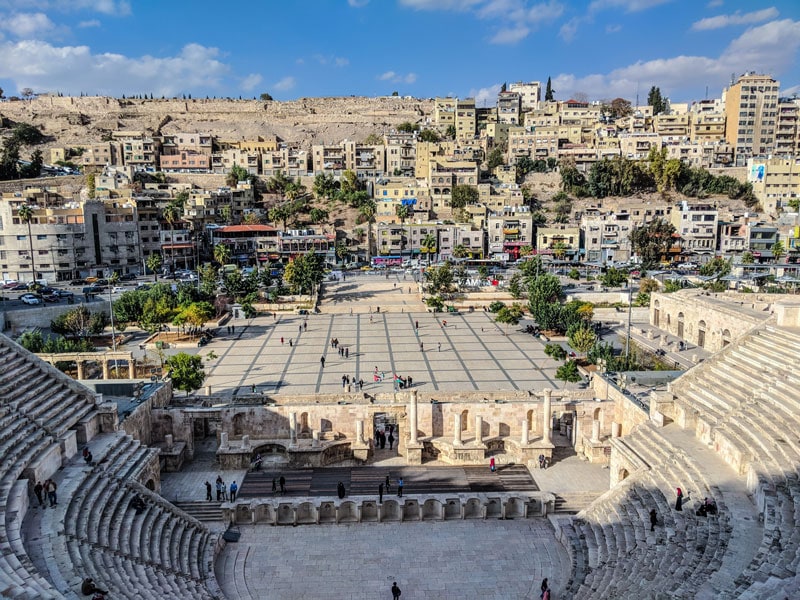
<point>40,316</point>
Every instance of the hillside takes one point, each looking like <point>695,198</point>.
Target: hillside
<point>69,121</point>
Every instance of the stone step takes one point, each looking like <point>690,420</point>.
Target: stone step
<point>202,511</point>
<point>571,503</point>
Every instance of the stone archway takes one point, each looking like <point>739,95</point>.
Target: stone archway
<point>464,420</point>
<point>531,420</point>
<point>150,485</point>
<point>622,475</point>
<point>238,424</point>
<point>726,337</point>
<point>701,334</point>
<point>656,313</point>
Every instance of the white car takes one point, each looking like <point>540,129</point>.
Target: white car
<point>118,289</point>
<point>30,299</point>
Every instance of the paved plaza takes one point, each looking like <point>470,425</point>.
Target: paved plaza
<point>471,352</point>
<point>452,560</point>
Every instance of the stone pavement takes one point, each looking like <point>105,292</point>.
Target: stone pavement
<point>452,560</point>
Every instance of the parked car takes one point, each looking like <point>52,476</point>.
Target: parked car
<point>90,279</point>
<point>7,285</point>
<point>77,282</point>
<point>51,297</point>
<point>101,282</point>
<point>64,293</point>
<point>118,289</point>
<point>18,286</point>
<point>127,277</point>
<point>92,289</point>
<point>29,299</point>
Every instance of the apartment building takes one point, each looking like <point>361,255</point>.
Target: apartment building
<point>70,237</point>
<point>509,230</point>
<point>465,120</point>
<point>562,241</point>
<point>444,113</point>
<point>787,132</point>
<point>409,239</point>
<point>530,93</point>
<point>509,108</point>
<point>697,226</point>
<point>606,235</point>
<point>365,161</point>
<point>672,127</point>
<point>248,244</point>
<point>637,145</point>
<point>775,181</point>
<point>444,176</point>
<point>99,155</point>
<point>289,159</point>
<point>751,112</point>
<point>139,150</point>
<point>185,162</point>
<point>707,127</point>
<point>732,238</point>
<point>391,192</point>
<point>401,153</point>
<point>223,161</point>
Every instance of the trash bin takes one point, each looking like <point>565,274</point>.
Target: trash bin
<point>160,345</point>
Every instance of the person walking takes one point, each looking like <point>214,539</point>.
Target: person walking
<point>322,361</point>
<point>344,381</point>
<point>440,346</point>
<point>340,491</point>
<point>50,487</point>
<point>653,519</point>
<point>388,484</point>
<point>361,385</point>
<point>208,491</point>
<point>305,325</point>
<point>399,487</point>
<point>492,466</point>
<point>380,493</point>
<point>290,343</point>
<point>679,501</point>
<point>391,440</point>
<point>416,325</point>
<point>37,490</point>
<point>219,489</point>
<point>274,485</point>
<point>282,481</point>
<point>234,489</point>
<point>347,352</point>
<point>545,587</point>
<point>395,591</point>
<point>421,347</point>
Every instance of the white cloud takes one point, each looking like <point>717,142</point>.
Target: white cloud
<point>26,25</point>
<point>106,7</point>
<point>336,61</point>
<point>357,3</point>
<point>251,81</point>
<point>736,18</point>
<point>74,69</point>
<point>626,5</point>
<point>715,3</point>
<point>616,28</point>
<point>486,96</point>
<point>397,77</point>
<point>569,29</point>
<point>285,84</point>
<point>510,36</point>
<point>90,23</point>
<point>515,18</point>
<point>768,48</point>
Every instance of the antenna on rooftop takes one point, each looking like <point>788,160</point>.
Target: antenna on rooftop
<point>706,96</point>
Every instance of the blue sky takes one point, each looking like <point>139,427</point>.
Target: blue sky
<point>423,48</point>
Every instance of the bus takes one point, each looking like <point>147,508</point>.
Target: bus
<point>379,262</point>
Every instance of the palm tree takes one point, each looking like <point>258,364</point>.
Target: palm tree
<point>429,243</point>
<point>172,214</point>
<point>403,211</point>
<point>25,213</point>
<point>367,211</point>
<point>222,253</point>
<point>460,251</point>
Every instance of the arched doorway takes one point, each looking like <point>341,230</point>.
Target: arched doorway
<point>464,420</point>
<point>680,325</point>
<point>304,428</point>
<point>238,424</point>
<point>622,475</point>
<point>150,485</point>
<point>531,420</point>
<point>597,415</point>
<point>701,334</point>
<point>656,313</point>
<point>726,337</point>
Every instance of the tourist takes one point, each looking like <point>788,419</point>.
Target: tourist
<point>541,461</point>
<point>416,324</point>
<point>439,346</point>
<point>281,340</point>
<point>380,493</point>
<point>50,487</point>
<point>219,489</point>
<point>383,440</point>
<point>492,467</point>
<point>395,591</point>
<point>653,519</point>
<point>282,481</point>
<point>399,487</point>
<point>234,489</point>
<point>421,347</point>
<point>340,491</point>
<point>545,587</point>
<point>410,381</point>
<point>387,484</point>
<point>299,329</point>
<point>88,587</point>
<point>305,325</point>
<point>360,385</point>
<point>257,462</point>
<point>391,441</point>
<point>37,490</point>
<point>208,491</point>
<point>679,501</point>
<point>344,381</point>
<point>290,343</point>
<point>347,352</point>
<point>274,485</point>
<point>224,492</point>
<point>322,361</point>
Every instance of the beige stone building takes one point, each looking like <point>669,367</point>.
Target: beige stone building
<point>751,114</point>
<point>697,226</point>
<point>775,181</point>
<point>365,161</point>
<point>509,108</point>
<point>508,231</point>
<point>530,93</point>
<point>787,132</point>
<point>561,241</point>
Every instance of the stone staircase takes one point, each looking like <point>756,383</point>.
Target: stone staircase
<point>570,503</point>
<point>202,511</point>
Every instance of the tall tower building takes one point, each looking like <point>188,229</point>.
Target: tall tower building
<point>751,112</point>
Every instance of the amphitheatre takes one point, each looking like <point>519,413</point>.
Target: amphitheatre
<point>726,429</point>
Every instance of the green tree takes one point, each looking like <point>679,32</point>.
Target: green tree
<point>582,338</point>
<point>460,251</point>
<point>304,273</point>
<point>568,372</point>
<point>778,251</point>
<point>451,132</point>
<point>186,371</point>
<point>652,241</point>
<point>524,165</point>
<point>509,315</point>
<point>614,277</point>
<point>655,100</point>
<point>515,286</point>
<point>373,139</point>
<point>463,195</point>
<point>429,135</point>
<point>407,127</point>
<point>235,175</point>
<point>671,285</point>
<point>439,279</point>
<point>572,180</point>
<point>367,212</point>
<point>748,258</point>
<point>324,186</point>
<point>543,292</point>
<point>153,263</point>
<point>403,211</point>
<point>555,351</point>
<point>34,169</point>
<point>222,253</point>
<point>265,97</point>
<point>172,214</point>
<point>195,314</point>
<point>716,267</point>
<point>25,214</point>
<point>429,244</point>
<point>549,91</point>
<point>495,159</point>
<point>318,215</point>
<point>79,322</point>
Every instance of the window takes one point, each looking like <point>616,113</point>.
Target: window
<point>22,238</point>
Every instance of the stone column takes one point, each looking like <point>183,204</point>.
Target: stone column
<point>524,432</point>
<point>81,366</point>
<point>315,438</point>
<point>360,431</point>
<point>478,429</point>
<point>245,442</point>
<point>456,430</point>
<point>615,429</point>
<point>292,428</point>
<point>106,372</point>
<point>168,441</point>
<point>412,418</point>
<point>223,440</point>
<point>208,390</point>
<point>131,369</point>
<point>547,423</point>
<point>596,431</point>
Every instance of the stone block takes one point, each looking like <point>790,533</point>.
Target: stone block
<point>452,509</point>
<point>411,510</point>
<point>494,509</point>
<point>390,511</point>
<point>432,510</point>
<point>347,512</point>
<point>369,512</point>
<point>327,512</point>
<point>473,509</point>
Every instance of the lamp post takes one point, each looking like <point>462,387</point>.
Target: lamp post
<point>628,336</point>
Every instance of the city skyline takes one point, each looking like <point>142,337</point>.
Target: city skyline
<point>412,47</point>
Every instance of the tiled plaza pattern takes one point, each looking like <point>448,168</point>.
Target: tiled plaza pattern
<point>470,352</point>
